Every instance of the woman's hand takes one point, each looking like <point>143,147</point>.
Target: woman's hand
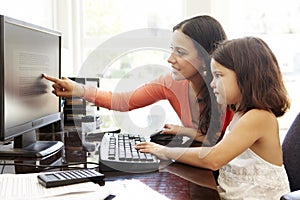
<point>153,148</point>
<point>181,130</point>
<point>172,129</point>
<point>65,87</point>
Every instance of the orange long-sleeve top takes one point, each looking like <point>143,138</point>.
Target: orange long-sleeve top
<point>163,88</point>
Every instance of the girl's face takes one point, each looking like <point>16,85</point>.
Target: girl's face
<point>224,84</point>
<point>184,57</point>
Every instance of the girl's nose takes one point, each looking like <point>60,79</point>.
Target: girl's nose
<point>212,84</point>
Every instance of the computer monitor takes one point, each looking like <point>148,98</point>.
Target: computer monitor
<point>26,101</point>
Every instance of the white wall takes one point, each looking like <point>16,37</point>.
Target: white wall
<point>62,15</point>
<point>33,11</point>
<point>219,9</point>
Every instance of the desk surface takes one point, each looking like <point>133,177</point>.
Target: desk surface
<point>174,181</point>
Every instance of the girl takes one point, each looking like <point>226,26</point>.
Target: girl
<point>247,77</point>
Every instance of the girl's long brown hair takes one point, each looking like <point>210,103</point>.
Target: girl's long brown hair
<point>258,74</point>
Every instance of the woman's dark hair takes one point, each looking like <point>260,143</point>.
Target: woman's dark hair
<point>258,74</point>
<point>204,30</point>
<point>206,33</point>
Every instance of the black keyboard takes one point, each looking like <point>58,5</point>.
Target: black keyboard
<point>117,153</point>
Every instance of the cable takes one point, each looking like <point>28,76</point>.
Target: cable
<point>49,167</point>
<point>2,170</point>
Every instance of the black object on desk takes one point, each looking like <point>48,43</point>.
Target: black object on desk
<point>98,134</point>
<point>166,139</point>
<point>61,178</point>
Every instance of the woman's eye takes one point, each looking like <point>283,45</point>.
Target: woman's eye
<point>177,51</point>
<point>180,52</point>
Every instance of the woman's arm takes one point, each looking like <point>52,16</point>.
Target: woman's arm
<point>181,130</point>
<point>126,101</point>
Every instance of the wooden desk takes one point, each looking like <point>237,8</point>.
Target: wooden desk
<point>175,180</point>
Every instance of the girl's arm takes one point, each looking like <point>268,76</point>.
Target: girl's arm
<point>249,131</point>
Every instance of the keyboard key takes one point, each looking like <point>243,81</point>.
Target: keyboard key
<point>117,152</point>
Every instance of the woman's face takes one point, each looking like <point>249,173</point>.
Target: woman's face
<point>224,84</point>
<point>184,57</point>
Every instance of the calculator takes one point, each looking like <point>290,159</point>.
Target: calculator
<point>61,178</point>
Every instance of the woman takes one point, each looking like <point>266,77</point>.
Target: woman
<point>186,88</point>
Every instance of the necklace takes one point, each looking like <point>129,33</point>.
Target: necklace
<point>197,96</point>
<point>199,99</point>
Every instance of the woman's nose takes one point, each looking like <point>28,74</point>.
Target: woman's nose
<point>171,58</point>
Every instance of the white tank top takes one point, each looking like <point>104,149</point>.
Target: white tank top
<point>248,176</point>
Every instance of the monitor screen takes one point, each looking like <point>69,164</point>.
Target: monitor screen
<point>27,51</point>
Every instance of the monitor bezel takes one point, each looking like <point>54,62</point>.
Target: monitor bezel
<point>15,131</point>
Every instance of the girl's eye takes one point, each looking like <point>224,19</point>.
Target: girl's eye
<point>217,75</point>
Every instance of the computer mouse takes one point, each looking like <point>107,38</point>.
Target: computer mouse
<point>166,139</point>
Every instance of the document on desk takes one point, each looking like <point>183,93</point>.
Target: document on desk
<point>132,189</point>
<point>26,186</point>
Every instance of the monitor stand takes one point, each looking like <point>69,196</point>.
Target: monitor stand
<point>26,146</point>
